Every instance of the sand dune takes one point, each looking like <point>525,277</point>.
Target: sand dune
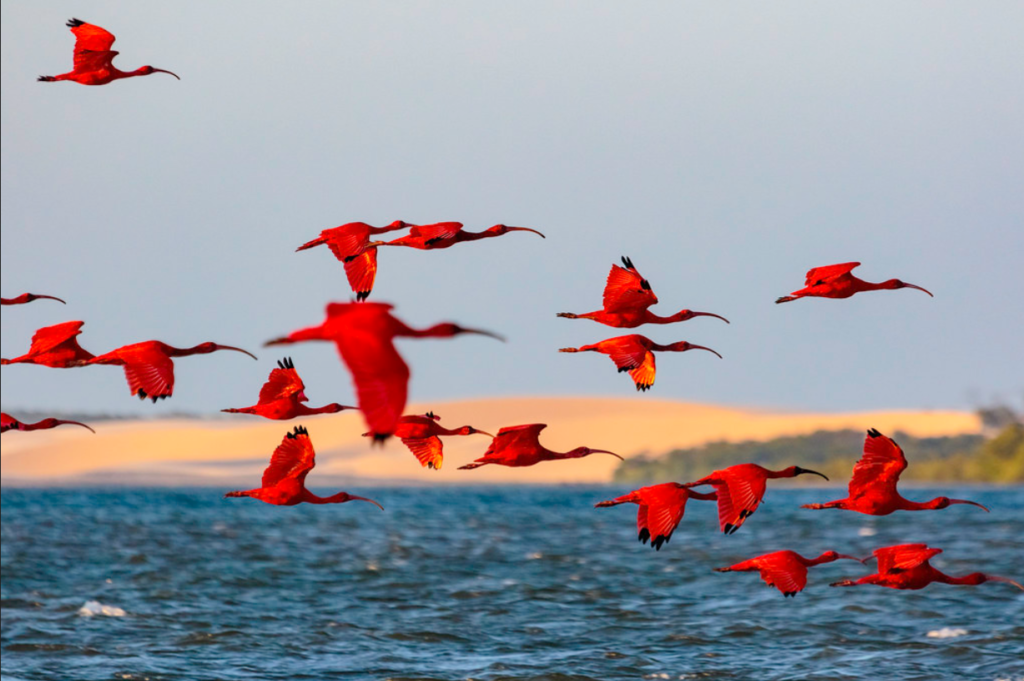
<point>234,451</point>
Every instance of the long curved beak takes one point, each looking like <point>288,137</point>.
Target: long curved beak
<point>155,70</point>
<point>74,423</point>
<point>843,555</point>
<point>374,244</point>
<point>38,296</point>
<point>972,503</point>
<point>1004,580</point>
<point>480,332</point>
<point>918,288</point>
<point>229,347</point>
<point>353,497</point>
<point>701,347</point>
<point>710,314</point>
<point>526,229</point>
<point>807,470</point>
<point>482,432</point>
<point>605,451</point>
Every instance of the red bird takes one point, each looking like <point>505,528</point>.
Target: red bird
<point>364,334</point>
<point>349,244</point>
<point>27,298</point>
<point>906,567</point>
<point>635,353</point>
<point>872,488</point>
<point>445,234</point>
<point>785,570</point>
<point>55,346</point>
<point>741,489</point>
<point>835,281</point>
<point>284,481</point>
<point>8,422</point>
<point>520,446</point>
<point>93,58</point>
<point>661,507</point>
<point>421,435</point>
<point>282,396</point>
<point>149,368</point>
<point>627,295</point>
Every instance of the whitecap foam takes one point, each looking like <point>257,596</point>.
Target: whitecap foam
<point>946,632</point>
<point>93,608</point>
<point>867,532</point>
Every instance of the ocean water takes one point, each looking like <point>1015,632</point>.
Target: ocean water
<point>487,583</point>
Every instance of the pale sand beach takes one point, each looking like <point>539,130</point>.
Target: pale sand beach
<point>235,450</point>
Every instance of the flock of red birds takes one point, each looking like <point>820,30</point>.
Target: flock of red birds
<point>364,335</point>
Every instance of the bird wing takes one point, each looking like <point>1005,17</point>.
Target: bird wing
<point>348,240</point>
<point>782,571</point>
<point>153,378</point>
<point>7,422</point>
<point>627,355</point>
<point>665,506</point>
<point>440,231</point>
<point>293,458</point>
<point>361,272</point>
<point>510,439</point>
<point>92,46</point>
<point>282,384</point>
<point>380,376</point>
<point>879,467</point>
<point>738,498</point>
<point>49,337</point>
<point>627,290</point>
<point>903,557</point>
<point>829,272</point>
<point>643,375</point>
<point>428,450</point>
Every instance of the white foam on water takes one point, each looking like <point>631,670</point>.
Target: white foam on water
<point>93,608</point>
<point>534,556</point>
<point>867,532</point>
<point>946,632</point>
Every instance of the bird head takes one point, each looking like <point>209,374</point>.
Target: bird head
<point>505,229</point>
<point>683,346</point>
<point>207,348</point>
<point>470,430</point>
<point>980,578</point>
<point>400,224</point>
<point>829,556</point>
<point>946,502</point>
<point>896,283</point>
<point>581,452</point>
<point>447,329</point>
<point>684,315</point>
<point>147,70</point>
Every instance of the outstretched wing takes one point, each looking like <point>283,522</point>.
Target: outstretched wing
<point>624,352</point>
<point>153,379</point>
<point>738,498</point>
<point>879,467</point>
<point>827,272</point>
<point>282,384</point>
<point>92,46</point>
<point>361,271</point>
<point>347,240</point>
<point>662,507</point>
<point>440,231</point>
<point>380,375</point>
<point>516,437</point>
<point>428,450</point>
<point>49,337</point>
<point>7,422</point>
<point>782,571</point>
<point>643,375</point>
<point>293,458</point>
<point>626,290</point>
<point>903,557</point>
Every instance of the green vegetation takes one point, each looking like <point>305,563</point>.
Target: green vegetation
<point>965,458</point>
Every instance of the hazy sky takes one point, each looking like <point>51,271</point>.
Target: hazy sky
<point>725,147</point>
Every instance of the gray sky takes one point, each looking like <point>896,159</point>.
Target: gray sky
<point>725,147</point>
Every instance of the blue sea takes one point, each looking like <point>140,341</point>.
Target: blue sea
<point>487,583</point>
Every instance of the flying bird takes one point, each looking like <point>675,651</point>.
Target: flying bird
<point>421,434</point>
<point>349,244</point>
<point>836,281</point>
<point>445,234</point>
<point>364,335</point>
<point>55,346</point>
<point>520,446</point>
<point>906,566</point>
<point>284,481</point>
<point>872,488</point>
<point>283,395</point>
<point>93,58</point>
<point>28,298</point>
<point>627,295</point>
<point>8,422</point>
<point>741,489</point>
<point>785,570</point>
<point>149,365</point>
<point>661,507</point>
<point>635,353</point>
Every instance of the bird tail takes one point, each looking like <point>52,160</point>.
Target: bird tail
<point>784,299</point>
<point>567,315</point>
<point>471,466</point>
<point>624,499</point>
<point>245,410</point>
<point>310,244</point>
<point>815,507</point>
<point>569,350</point>
<point>232,495</point>
<point>725,569</point>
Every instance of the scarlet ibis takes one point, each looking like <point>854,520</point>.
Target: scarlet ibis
<point>282,396</point>
<point>661,507</point>
<point>741,489</point>
<point>284,481</point>
<point>445,234</point>
<point>635,353</point>
<point>27,298</point>
<point>836,281</point>
<point>93,58</point>
<point>149,368</point>
<point>8,422</point>
<point>348,243</point>
<point>872,488</point>
<point>520,446</point>
<point>785,570</point>
<point>55,346</point>
<point>364,334</point>
<point>627,295</point>
<point>906,566</point>
<point>421,434</point>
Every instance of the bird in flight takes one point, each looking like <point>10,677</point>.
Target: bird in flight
<point>284,480</point>
<point>364,334</point>
<point>8,422</point>
<point>93,58</point>
<point>836,281</point>
<point>446,234</point>
<point>27,298</point>
<point>149,366</point>
<point>661,507</point>
<point>785,570</point>
<point>283,396</point>
<point>349,244</point>
<point>635,353</point>
<point>55,346</point>
<point>906,566</point>
<point>520,446</point>
<point>741,490</point>
<point>422,435</point>
<point>627,295</point>
<point>872,488</point>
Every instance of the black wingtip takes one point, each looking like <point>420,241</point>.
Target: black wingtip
<point>627,262</point>
<point>74,23</point>
<point>874,432</point>
<point>644,536</point>
<point>299,430</point>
